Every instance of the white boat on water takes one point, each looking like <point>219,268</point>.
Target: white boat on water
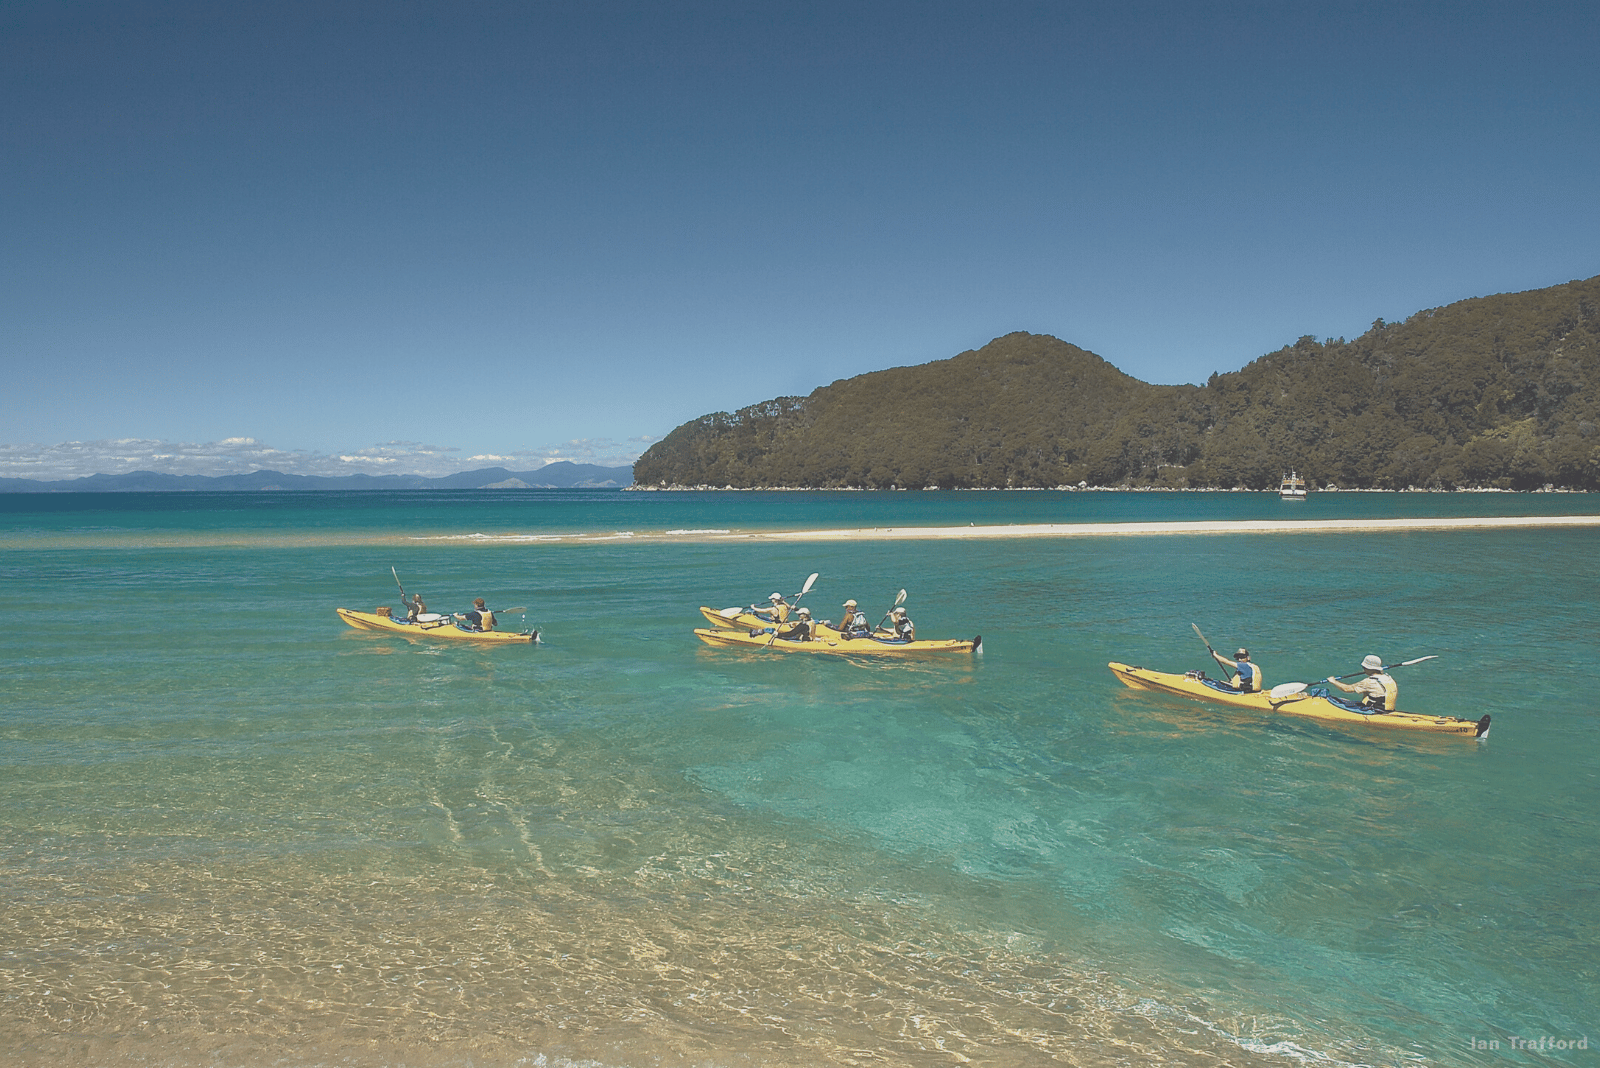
<point>1293,487</point>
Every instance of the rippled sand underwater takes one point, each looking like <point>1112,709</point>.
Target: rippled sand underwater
<point>696,958</point>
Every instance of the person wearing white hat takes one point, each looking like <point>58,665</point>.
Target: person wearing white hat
<point>904,629</point>
<point>1246,675</point>
<point>853,624</point>
<point>801,631</point>
<point>1378,690</point>
<point>778,612</point>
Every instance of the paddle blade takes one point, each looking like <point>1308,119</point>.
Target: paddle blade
<point>1287,689</point>
<point>900,598</point>
<point>807,587</point>
<point>729,613</point>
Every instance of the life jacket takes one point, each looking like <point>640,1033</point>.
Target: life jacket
<point>904,628</point>
<point>1247,676</point>
<point>1391,693</point>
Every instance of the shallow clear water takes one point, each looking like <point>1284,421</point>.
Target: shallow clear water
<point>234,830</point>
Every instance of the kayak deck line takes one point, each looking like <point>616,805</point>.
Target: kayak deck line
<point>1209,526</point>
<point>1307,703</point>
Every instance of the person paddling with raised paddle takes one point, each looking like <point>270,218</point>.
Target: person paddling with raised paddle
<point>800,630</point>
<point>1378,689</point>
<point>776,612</point>
<point>1246,675</point>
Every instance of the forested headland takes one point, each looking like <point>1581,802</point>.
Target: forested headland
<point>1493,392</point>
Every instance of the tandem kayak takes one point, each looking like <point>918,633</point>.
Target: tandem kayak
<point>746,620</point>
<point>833,642</point>
<point>1314,703</point>
<point>434,625</point>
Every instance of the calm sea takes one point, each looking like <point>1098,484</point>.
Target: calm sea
<point>234,831</point>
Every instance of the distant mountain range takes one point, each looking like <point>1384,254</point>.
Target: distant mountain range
<point>560,475</point>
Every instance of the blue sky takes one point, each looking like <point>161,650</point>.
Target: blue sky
<point>329,237</point>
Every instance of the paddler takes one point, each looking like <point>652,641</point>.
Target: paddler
<point>480,617</point>
<point>1378,690</point>
<point>1246,676</point>
<point>853,624</point>
<point>904,629</point>
<point>777,612</point>
<point>801,631</point>
<point>414,606</point>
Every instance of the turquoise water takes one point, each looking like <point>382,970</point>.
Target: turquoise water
<point>235,831</point>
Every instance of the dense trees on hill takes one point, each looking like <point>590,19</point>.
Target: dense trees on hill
<point>1499,391</point>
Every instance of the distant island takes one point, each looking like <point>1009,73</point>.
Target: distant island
<point>1499,392</point>
<point>560,475</point>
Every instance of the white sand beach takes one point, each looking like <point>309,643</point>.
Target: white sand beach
<point>1237,526</point>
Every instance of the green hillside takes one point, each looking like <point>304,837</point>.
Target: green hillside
<point>1499,391</point>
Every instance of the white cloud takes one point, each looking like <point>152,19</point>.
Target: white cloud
<point>242,455</point>
<point>606,452</point>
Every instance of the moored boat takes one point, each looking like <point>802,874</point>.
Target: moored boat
<point>434,625</point>
<point>1313,702</point>
<point>1292,488</point>
<point>833,642</point>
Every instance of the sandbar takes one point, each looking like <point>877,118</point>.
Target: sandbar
<point>1221,526</point>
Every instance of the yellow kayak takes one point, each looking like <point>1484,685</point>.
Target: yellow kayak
<point>433,625</point>
<point>832,642</point>
<point>733,618</point>
<point>745,620</point>
<point>1314,703</point>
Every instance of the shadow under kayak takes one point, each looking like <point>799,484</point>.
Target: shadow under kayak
<point>1311,703</point>
<point>439,626</point>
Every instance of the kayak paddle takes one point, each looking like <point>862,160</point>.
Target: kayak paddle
<point>803,591</point>
<point>899,599</point>
<point>1289,689</point>
<point>1386,667</point>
